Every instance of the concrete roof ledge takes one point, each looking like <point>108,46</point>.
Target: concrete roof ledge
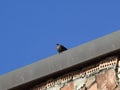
<point>61,61</point>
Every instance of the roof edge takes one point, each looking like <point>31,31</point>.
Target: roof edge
<point>101,46</point>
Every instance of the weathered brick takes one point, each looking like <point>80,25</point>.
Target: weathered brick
<point>93,87</point>
<point>78,83</point>
<point>111,79</point>
<point>90,81</point>
<point>101,80</point>
<point>68,86</point>
<point>118,87</point>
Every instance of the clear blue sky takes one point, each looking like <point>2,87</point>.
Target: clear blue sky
<point>30,29</point>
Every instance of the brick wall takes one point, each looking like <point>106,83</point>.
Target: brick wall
<point>105,75</point>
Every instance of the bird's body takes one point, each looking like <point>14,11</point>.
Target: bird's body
<point>60,48</point>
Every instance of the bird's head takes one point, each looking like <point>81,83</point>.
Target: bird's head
<point>57,44</point>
